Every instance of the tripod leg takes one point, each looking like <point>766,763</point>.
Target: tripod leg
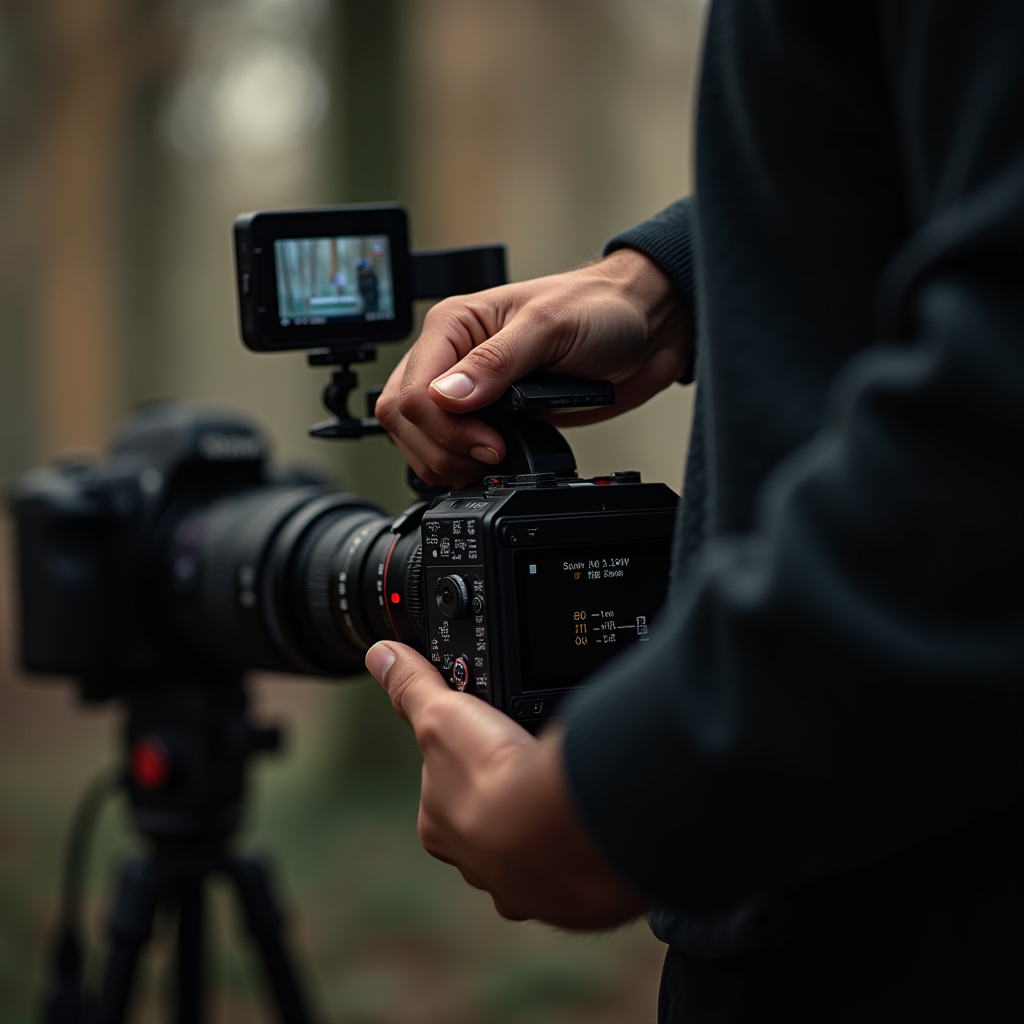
<point>129,928</point>
<point>265,921</point>
<point>190,952</point>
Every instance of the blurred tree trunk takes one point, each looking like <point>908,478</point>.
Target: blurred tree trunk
<point>369,162</point>
<point>19,206</point>
<point>94,56</point>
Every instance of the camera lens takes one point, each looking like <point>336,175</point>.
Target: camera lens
<point>451,596</point>
<point>297,579</point>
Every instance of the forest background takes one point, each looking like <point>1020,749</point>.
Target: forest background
<point>132,132</point>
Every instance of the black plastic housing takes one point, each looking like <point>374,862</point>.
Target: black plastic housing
<point>478,534</point>
<point>181,557</point>
<point>255,261</point>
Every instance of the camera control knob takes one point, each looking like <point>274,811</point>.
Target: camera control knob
<point>460,673</point>
<point>452,596</point>
<point>150,763</point>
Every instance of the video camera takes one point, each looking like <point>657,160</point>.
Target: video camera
<point>163,572</point>
<point>183,553</point>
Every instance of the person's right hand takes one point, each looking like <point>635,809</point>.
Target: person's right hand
<point>620,320</point>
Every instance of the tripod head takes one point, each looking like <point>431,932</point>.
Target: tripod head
<point>187,747</point>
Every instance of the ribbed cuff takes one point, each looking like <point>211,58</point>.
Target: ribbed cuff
<point>668,239</point>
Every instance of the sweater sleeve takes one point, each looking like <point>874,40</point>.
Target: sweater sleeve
<point>668,239</point>
<point>845,679</point>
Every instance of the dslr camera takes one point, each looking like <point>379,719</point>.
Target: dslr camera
<point>183,554</point>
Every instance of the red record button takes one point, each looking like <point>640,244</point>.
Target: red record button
<point>151,764</point>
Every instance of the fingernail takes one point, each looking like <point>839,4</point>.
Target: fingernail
<point>482,453</point>
<point>455,385</point>
<point>379,658</point>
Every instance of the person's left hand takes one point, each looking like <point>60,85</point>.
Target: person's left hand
<point>495,803</point>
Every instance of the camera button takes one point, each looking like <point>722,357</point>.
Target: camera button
<point>528,707</point>
<point>460,673</point>
<point>451,596</point>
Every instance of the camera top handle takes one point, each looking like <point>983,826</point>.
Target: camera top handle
<point>533,445</point>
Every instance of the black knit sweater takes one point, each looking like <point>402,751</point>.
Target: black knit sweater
<point>825,731</point>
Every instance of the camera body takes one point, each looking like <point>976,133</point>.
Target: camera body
<point>88,534</point>
<point>533,582</point>
<point>182,556</point>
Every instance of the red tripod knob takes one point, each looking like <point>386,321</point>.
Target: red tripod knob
<point>150,763</point>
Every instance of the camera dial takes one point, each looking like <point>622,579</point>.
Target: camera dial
<point>451,596</point>
<point>460,672</point>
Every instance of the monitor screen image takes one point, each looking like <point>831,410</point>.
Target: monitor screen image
<point>330,280</point>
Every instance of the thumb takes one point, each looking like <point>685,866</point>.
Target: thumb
<point>410,680</point>
<point>484,374</point>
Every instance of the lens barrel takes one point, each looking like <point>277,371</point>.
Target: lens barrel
<point>297,579</point>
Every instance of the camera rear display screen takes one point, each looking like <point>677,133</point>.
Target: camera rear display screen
<point>580,607</point>
<point>334,280</point>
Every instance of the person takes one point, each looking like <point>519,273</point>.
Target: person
<point>811,776</point>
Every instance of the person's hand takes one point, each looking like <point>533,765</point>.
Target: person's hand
<point>494,803</point>
<point>620,320</point>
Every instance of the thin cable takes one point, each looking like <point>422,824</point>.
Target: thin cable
<point>65,1003</point>
<point>82,825</point>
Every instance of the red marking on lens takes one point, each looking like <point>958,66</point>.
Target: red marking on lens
<point>601,483</point>
<point>387,565</point>
<point>150,763</point>
<point>395,598</point>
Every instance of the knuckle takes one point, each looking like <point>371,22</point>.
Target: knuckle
<point>386,410</point>
<point>442,312</point>
<point>493,358</point>
<point>443,468</point>
<point>548,314</point>
<point>432,475</point>
<point>399,682</point>
<point>409,397</point>
<point>451,467</point>
<point>428,837</point>
<point>446,432</point>
<point>429,728</point>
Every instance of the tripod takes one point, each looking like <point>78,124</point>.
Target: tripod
<point>177,877</point>
<point>187,747</point>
